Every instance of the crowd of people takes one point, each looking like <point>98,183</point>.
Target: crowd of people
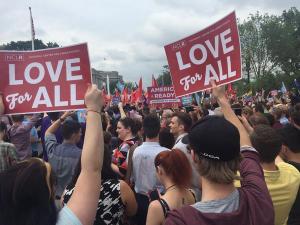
<point>225,161</point>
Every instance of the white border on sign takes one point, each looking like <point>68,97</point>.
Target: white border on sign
<point>178,96</point>
<point>46,49</point>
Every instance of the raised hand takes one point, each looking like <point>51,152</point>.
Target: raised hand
<point>93,98</point>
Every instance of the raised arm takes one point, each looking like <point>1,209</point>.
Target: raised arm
<point>123,114</point>
<point>85,198</point>
<point>52,129</point>
<point>219,93</point>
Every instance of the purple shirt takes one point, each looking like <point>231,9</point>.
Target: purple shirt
<point>20,136</point>
<point>255,206</point>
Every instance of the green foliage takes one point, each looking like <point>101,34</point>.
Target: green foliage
<point>26,45</point>
<point>129,85</point>
<point>256,56</point>
<point>283,40</point>
<point>164,79</point>
<point>270,51</point>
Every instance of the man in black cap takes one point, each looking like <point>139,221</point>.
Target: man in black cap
<point>216,146</point>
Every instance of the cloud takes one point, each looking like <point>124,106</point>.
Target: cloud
<point>130,34</point>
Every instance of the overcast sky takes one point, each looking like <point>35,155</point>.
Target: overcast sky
<point>129,34</point>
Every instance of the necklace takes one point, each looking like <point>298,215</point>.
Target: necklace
<point>172,186</point>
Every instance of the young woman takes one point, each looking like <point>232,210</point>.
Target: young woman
<point>26,189</point>
<point>175,173</point>
<point>116,197</point>
<point>127,133</point>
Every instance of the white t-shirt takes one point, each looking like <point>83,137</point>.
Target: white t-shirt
<point>67,217</point>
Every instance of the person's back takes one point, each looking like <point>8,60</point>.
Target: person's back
<point>116,198</point>
<point>19,135</point>
<point>144,172</point>
<point>8,155</point>
<point>283,186</point>
<point>180,125</point>
<point>63,157</point>
<point>282,179</point>
<point>215,146</point>
<point>290,152</point>
<point>110,208</point>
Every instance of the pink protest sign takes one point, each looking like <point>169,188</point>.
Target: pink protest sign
<point>44,80</point>
<point>214,52</point>
<point>163,97</point>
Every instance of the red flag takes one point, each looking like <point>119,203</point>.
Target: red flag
<point>125,96</point>
<point>139,90</point>
<point>230,91</point>
<point>133,96</point>
<point>154,82</point>
<point>117,92</point>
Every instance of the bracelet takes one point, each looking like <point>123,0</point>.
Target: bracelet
<point>91,110</point>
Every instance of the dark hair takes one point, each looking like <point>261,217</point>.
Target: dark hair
<point>258,119</point>
<point>290,137</point>
<point>270,118</point>
<point>53,115</point>
<point>166,138</point>
<point>115,109</point>
<point>107,137</point>
<point>247,111</point>
<point>138,125</point>
<point>176,165</point>
<point>151,126</point>
<point>129,123</point>
<point>104,121</point>
<point>70,127</point>
<point>3,127</point>
<point>259,108</point>
<point>205,112</point>
<point>184,119</point>
<point>24,195</point>
<point>106,172</point>
<point>267,142</point>
<point>17,118</point>
<point>146,111</point>
<point>295,114</point>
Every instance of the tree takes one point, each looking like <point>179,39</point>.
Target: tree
<point>130,85</point>
<point>283,40</point>
<point>256,56</point>
<point>164,79</point>
<point>26,45</point>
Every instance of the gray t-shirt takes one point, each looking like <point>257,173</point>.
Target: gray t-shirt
<point>226,205</point>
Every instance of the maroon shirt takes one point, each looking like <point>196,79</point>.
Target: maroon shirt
<point>255,206</point>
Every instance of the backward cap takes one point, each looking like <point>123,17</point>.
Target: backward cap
<point>215,138</point>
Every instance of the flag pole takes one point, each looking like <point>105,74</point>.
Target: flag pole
<point>107,83</point>
<point>32,30</point>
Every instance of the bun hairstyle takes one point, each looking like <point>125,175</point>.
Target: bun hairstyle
<point>176,165</point>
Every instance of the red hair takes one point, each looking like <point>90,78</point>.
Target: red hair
<point>176,165</point>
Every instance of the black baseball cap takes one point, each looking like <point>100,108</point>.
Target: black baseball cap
<point>215,138</point>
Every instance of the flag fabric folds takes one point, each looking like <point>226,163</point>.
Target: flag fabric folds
<point>154,82</point>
